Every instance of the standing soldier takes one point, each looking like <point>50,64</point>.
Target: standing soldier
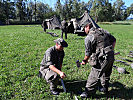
<point>64,26</point>
<point>99,49</point>
<point>51,65</point>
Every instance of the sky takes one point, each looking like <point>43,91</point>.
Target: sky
<point>53,2</point>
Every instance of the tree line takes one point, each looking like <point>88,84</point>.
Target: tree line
<point>34,11</point>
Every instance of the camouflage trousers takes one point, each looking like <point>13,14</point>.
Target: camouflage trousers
<point>50,76</point>
<point>99,76</point>
<point>64,31</point>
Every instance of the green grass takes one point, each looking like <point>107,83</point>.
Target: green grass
<point>22,49</point>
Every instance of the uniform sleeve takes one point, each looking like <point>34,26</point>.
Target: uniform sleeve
<point>112,38</point>
<point>88,46</point>
<point>48,58</point>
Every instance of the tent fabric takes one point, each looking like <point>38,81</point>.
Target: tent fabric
<point>70,28</point>
<point>79,23</point>
<point>82,19</point>
<point>53,23</point>
<point>86,18</point>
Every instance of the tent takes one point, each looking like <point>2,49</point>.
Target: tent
<point>53,23</point>
<point>79,22</point>
<point>86,18</point>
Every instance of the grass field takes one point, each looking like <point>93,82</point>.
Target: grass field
<point>22,49</point>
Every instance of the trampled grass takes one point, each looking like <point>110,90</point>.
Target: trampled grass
<point>22,49</point>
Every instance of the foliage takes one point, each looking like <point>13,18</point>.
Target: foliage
<point>129,10</point>
<point>119,9</point>
<point>42,9</point>
<point>70,9</point>
<point>21,9</point>
<point>22,48</point>
<point>7,11</point>
<point>30,11</point>
<point>102,10</point>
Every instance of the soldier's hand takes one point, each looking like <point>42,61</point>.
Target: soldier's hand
<point>62,75</point>
<point>83,63</point>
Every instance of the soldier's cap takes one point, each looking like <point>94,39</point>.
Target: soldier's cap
<point>61,42</point>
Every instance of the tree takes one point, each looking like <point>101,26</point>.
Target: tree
<point>7,11</point>
<point>129,10</point>
<point>119,10</point>
<point>106,13</point>
<point>43,11</point>
<point>21,9</point>
<point>30,10</point>
<point>70,8</point>
<point>35,11</point>
<point>59,9</point>
<point>76,8</point>
<point>2,13</point>
<point>101,10</point>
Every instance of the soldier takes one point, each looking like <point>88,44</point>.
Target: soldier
<point>64,26</point>
<point>99,50</point>
<point>51,65</point>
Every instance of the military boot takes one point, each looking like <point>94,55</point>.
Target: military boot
<point>53,87</point>
<point>54,92</point>
<point>85,94</point>
<point>103,89</point>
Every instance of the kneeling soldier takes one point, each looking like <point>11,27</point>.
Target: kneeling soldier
<point>51,65</point>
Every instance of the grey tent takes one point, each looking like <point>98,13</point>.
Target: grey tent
<point>53,23</point>
<point>79,22</point>
<point>86,18</point>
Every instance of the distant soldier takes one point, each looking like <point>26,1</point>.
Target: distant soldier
<point>99,50</point>
<point>51,65</point>
<point>64,26</point>
<point>44,26</point>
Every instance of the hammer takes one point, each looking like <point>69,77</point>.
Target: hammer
<point>78,63</point>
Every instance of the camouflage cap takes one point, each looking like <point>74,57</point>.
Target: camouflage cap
<point>61,42</point>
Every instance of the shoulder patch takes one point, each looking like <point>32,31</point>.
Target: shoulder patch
<point>48,58</point>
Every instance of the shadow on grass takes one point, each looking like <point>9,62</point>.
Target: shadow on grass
<point>75,86</point>
<point>118,90</point>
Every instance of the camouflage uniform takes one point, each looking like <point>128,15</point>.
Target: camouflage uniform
<point>98,45</point>
<point>64,25</point>
<point>51,57</point>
